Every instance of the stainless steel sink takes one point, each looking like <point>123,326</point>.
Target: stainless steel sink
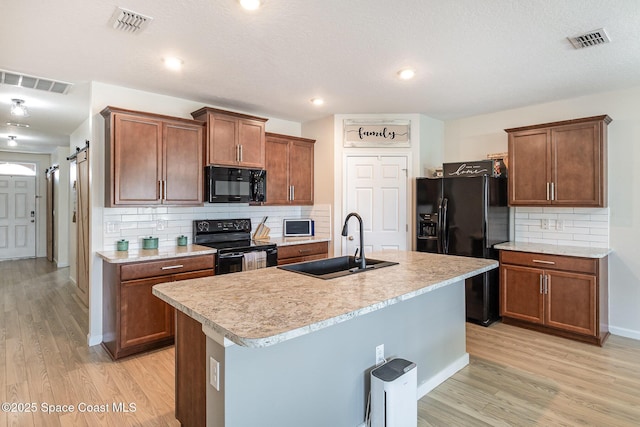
<point>331,268</point>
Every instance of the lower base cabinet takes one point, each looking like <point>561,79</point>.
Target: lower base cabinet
<point>303,252</point>
<point>561,295</point>
<point>133,319</point>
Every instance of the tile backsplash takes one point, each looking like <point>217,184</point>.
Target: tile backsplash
<point>563,226</point>
<point>169,222</point>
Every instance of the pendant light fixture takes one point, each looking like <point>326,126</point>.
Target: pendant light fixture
<point>12,141</point>
<point>18,109</point>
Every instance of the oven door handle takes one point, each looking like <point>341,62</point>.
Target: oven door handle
<point>231,255</point>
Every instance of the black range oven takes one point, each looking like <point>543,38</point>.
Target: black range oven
<point>232,239</point>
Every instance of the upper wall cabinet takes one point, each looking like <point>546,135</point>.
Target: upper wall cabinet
<point>152,159</point>
<point>233,139</point>
<point>289,165</point>
<point>559,164</point>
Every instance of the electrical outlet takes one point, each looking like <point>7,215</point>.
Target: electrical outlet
<point>214,373</point>
<point>544,224</point>
<point>161,224</point>
<point>380,354</point>
<point>559,225</point>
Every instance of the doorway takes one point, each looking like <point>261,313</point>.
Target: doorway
<point>52,177</point>
<point>17,211</point>
<point>376,188</point>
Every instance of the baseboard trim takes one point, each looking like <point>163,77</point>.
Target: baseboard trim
<point>442,376</point>
<point>623,332</point>
<point>93,339</point>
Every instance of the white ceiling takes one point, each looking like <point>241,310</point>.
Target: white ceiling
<point>471,56</point>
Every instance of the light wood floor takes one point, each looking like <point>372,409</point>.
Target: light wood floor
<point>516,377</point>
<point>44,358</point>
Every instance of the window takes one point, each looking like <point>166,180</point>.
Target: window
<point>25,169</point>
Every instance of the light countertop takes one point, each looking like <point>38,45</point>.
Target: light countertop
<point>191,250</point>
<point>154,254</point>
<point>577,251</point>
<point>264,307</point>
<point>287,241</point>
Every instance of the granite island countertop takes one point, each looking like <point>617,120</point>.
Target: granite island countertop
<point>543,248</point>
<point>264,307</point>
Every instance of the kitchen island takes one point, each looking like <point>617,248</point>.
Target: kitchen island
<point>295,350</point>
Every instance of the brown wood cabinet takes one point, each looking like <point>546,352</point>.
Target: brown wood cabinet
<point>563,295</point>
<point>303,252</point>
<point>289,165</point>
<point>233,139</point>
<point>133,319</point>
<point>152,159</point>
<point>559,164</point>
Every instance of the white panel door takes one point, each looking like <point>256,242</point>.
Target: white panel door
<point>17,217</point>
<point>377,190</point>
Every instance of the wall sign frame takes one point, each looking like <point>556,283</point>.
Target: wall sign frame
<point>377,133</point>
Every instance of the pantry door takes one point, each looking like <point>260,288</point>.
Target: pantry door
<point>17,217</point>
<point>376,189</point>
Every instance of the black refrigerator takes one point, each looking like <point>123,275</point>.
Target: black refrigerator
<point>466,216</point>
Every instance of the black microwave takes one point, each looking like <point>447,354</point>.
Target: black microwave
<point>235,185</point>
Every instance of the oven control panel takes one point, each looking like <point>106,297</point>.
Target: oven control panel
<point>221,226</point>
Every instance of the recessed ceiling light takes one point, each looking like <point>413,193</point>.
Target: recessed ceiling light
<point>251,4</point>
<point>317,101</point>
<point>173,63</point>
<point>407,73</point>
<point>12,141</point>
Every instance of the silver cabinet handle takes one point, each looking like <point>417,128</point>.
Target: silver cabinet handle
<point>164,185</point>
<point>293,192</point>
<point>172,267</point>
<point>546,284</point>
<point>539,261</point>
<point>241,156</point>
<point>541,283</point>
<point>553,191</point>
<point>548,185</point>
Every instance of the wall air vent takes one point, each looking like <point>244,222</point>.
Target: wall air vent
<point>592,38</point>
<point>129,21</point>
<point>22,80</point>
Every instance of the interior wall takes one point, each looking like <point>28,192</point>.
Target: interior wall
<point>42,162</point>
<point>61,207</point>
<point>474,137</point>
<point>431,145</point>
<point>323,165</point>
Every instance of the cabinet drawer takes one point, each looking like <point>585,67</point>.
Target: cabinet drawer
<point>302,250</point>
<point>166,267</point>
<point>550,262</point>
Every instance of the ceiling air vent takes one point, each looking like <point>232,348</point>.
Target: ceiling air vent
<point>22,80</point>
<point>592,38</point>
<point>129,21</point>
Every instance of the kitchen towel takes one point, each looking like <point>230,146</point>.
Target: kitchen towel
<point>254,260</point>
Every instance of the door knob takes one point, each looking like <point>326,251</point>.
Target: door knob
<point>350,237</point>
